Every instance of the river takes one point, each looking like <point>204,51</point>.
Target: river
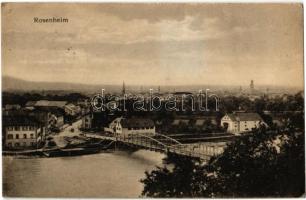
<point>114,174</point>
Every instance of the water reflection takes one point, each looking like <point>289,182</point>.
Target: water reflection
<point>115,174</point>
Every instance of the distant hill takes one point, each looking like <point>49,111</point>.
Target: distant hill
<point>15,84</point>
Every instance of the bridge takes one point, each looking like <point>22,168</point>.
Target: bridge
<point>165,144</point>
<point>162,143</point>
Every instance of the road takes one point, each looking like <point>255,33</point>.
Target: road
<point>66,132</point>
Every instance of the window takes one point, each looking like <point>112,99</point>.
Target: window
<point>24,144</point>
<point>32,135</point>
<point>9,136</point>
<point>24,128</point>
<point>17,136</point>
<point>17,128</point>
<point>9,144</point>
<point>17,144</point>
<point>25,136</point>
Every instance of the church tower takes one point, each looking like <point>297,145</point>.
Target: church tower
<point>123,88</point>
<point>252,87</point>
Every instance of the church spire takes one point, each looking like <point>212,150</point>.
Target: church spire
<point>252,87</point>
<point>123,88</point>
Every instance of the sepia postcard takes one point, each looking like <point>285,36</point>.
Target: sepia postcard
<point>152,100</point>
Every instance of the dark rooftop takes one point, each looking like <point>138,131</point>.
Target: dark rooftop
<point>19,120</point>
<point>245,117</point>
<point>136,123</point>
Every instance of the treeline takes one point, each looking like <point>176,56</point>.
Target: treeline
<point>276,104</point>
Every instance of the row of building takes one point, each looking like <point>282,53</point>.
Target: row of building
<point>235,123</point>
<point>27,127</point>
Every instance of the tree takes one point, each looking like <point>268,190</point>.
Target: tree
<point>175,181</point>
<point>264,164</point>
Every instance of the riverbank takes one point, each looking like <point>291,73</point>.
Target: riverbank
<point>88,147</point>
<point>93,144</point>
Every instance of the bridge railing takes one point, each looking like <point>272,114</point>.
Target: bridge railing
<point>200,151</point>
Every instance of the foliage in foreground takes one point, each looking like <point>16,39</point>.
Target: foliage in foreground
<point>265,164</point>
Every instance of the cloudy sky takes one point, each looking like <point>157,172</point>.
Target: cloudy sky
<point>162,44</point>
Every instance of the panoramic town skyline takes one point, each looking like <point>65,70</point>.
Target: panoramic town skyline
<point>155,44</point>
<point>152,100</point>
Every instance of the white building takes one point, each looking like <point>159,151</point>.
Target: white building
<point>72,109</point>
<point>22,132</point>
<point>126,127</point>
<point>241,122</point>
<point>112,126</point>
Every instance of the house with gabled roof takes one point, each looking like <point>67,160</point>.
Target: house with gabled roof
<point>129,126</point>
<point>240,122</point>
